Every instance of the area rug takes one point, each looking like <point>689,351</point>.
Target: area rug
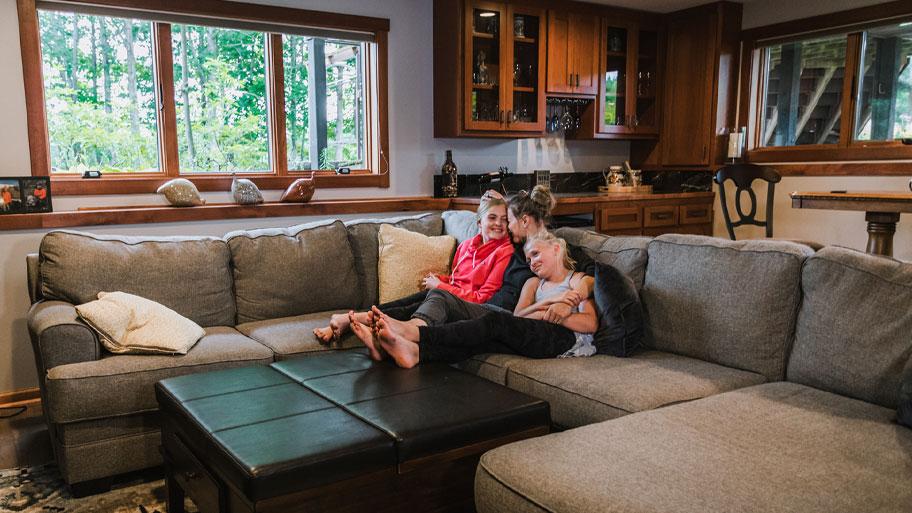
<point>42,490</point>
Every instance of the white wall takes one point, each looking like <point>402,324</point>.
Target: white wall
<point>414,157</point>
<point>824,226</point>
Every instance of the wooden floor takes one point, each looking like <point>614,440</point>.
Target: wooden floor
<point>24,438</point>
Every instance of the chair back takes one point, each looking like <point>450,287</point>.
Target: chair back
<point>744,175</point>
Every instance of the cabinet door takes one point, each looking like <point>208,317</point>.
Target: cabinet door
<point>645,75</point>
<point>584,51</point>
<point>689,91</point>
<point>614,115</point>
<point>484,63</point>
<point>559,67</point>
<point>525,82</point>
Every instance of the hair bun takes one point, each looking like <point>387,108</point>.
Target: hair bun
<point>542,197</point>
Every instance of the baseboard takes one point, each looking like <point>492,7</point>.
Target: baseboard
<point>20,397</point>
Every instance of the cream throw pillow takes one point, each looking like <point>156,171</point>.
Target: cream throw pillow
<point>406,257</point>
<point>132,324</point>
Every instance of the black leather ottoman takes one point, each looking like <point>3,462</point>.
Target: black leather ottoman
<point>335,432</point>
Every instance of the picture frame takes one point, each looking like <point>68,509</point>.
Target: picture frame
<point>25,195</point>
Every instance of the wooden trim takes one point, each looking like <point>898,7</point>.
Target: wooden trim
<point>163,57</point>
<point>21,397</point>
<point>383,166</point>
<point>849,99</point>
<point>427,462</point>
<point>248,12</point>
<point>831,153</point>
<point>845,169</point>
<point>217,212</point>
<point>275,102</point>
<point>112,184</point>
<point>842,21</point>
<point>36,116</point>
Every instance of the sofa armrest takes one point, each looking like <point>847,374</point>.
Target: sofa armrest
<point>59,336</point>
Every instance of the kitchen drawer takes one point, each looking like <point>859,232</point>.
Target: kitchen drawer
<point>666,215</point>
<point>621,218</point>
<point>190,474</point>
<point>696,214</point>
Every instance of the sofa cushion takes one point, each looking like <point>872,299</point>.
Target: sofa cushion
<point>854,332</point>
<point>123,384</point>
<point>620,313</point>
<point>364,242</point>
<point>729,302</point>
<point>405,258</point>
<point>293,336</point>
<point>462,224</point>
<point>491,366</point>
<point>904,410</point>
<point>773,448</point>
<point>627,254</point>
<point>586,390</point>
<point>280,272</point>
<point>190,275</point>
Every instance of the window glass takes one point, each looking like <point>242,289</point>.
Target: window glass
<point>220,99</point>
<point>803,93</point>
<point>884,107</point>
<point>99,93</point>
<point>324,103</point>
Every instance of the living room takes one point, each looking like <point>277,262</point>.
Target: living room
<point>414,95</point>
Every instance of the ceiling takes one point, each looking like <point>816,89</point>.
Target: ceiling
<point>662,6</point>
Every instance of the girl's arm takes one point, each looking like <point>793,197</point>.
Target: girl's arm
<point>585,321</point>
<point>526,298</point>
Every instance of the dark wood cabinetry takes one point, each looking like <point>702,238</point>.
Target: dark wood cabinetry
<point>573,42</point>
<point>699,89</point>
<point>657,214</point>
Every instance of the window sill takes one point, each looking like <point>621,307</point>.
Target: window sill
<point>119,184</point>
<point>167,214</point>
<point>868,151</point>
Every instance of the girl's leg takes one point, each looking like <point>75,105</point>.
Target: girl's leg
<point>441,307</point>
<point>339,324</point>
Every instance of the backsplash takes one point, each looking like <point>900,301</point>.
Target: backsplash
<point>662,182</point>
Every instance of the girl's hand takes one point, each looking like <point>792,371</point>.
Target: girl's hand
<point>571,298</point>
<point>557,312</point>
<point>431,281</point>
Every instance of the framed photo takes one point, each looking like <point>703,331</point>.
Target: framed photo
<point>36,194</point>
<point>25,195</point>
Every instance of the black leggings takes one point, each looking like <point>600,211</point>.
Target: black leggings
<point>493,332</point>
<point>435,307</point>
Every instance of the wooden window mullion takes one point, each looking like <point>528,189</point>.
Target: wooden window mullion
<point>850,83</point>
<point>167,116</point>
<point>275,101</point>
<point>36,113</point>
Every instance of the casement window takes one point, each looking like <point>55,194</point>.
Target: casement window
<point>837,93</point>
<point>150,90</point>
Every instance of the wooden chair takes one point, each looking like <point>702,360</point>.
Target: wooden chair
<point>744,175</point>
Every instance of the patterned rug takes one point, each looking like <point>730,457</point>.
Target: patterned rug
<point>42,490</point>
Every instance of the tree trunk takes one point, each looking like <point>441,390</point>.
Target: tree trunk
<point>106,64</point>
<point>94,63</point>
<point>74,56</point>
<point>185,92</point>
<point>131,78</point>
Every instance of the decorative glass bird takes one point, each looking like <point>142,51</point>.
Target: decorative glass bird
<point>245,192</point>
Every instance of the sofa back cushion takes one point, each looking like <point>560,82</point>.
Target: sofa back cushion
<point>190,275</point>
<point>461,224</point>
<point>281,272</point>
<point>364,242</point>
<point>626,254</point>
<point>731,303</point>
<point>854,331</point>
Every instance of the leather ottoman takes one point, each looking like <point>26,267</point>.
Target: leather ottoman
<point>335,432</point>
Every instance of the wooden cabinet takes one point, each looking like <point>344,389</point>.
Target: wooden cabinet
<point>664,213</point>
<point>700,78</point>
<point>629,81</point>
<point>491,82</point>
<point>573,42</point>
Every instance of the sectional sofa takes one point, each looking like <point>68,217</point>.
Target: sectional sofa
<point>768,381</point>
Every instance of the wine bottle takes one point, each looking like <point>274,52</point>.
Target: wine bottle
<point>449,172</point>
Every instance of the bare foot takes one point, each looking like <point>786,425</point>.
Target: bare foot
<point>338,325</point>
<point>407,329</point>
<point>366,335</point>
<point>403,351</point>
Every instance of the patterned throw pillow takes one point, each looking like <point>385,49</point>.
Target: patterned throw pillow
<point>132,324</point>
<point>406,257</point>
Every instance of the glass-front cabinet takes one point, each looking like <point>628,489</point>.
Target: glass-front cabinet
<point>504,68</point>
<point>629,80</point>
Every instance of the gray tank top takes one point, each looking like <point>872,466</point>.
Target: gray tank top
<point>584,341</point>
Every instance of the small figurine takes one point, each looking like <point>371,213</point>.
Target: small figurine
<point>181,192</point>
<point>300,190</point>
<point>245,192</point>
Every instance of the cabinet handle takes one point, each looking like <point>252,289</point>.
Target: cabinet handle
<point>570,82</point>
<point>636,121</point>
<point>660,216</point>
<point>577,80</point>
<point>509,116</point>
<point>501,116</point>
<point>704,152</point>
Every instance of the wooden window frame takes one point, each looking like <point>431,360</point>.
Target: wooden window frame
<point>849,156</point>
<point>376,173</point>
